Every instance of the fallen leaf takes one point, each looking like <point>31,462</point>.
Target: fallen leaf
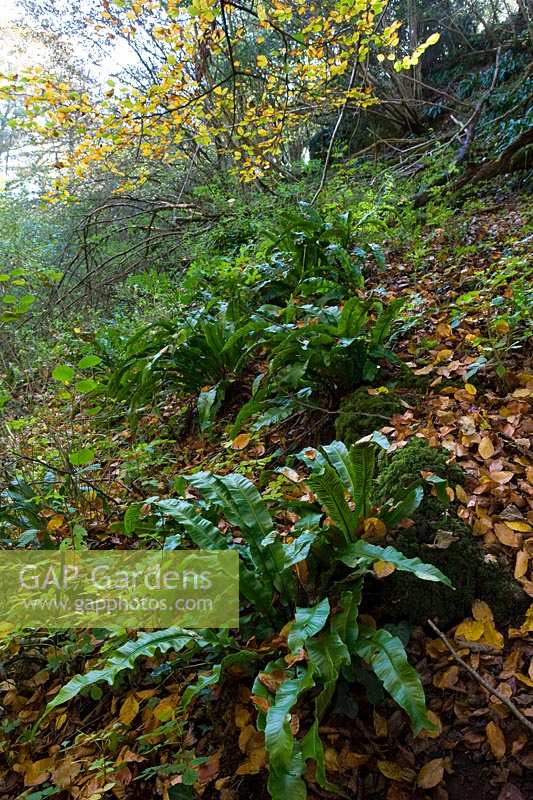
<point>522,560</point>
<point>470,629</point>
<point>431,774</point>
<point>435,719</point>
<point>241,441</point>
<point>518,525</point>
<point>506,536</point>
<point>446,679</point>
<point>128,710</point>
<point>373,527</point>
<point>55,523</point>
<point>395,772</point>
<point>38,772</point>
<point>501,476</point>
<point>486,448</point>
<point>383,568</point>
<point>496,740</point>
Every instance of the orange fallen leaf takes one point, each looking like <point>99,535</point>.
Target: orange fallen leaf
<point>241,441</point>
<point>128,710</point>
<point>470,629</point>
<point>446,679</point>
<point>38,772</point>
<point>522,560</point>
<point>496,740</point>
<point>501,476</point>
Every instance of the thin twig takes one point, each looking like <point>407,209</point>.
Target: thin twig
<point>335,131</point>
<point>486,685</point>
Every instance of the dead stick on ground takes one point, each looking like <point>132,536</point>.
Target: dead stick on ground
<point>505,700</point>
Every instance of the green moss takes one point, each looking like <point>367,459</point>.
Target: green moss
<point>405,466</point>
<point>438,537</point>
<point>362,413</point>
<point>462,560</point>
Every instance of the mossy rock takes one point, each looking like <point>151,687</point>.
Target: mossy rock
<point>361,413</point>
<point>403,470</point>
<point>463,562</point>
<point>438,537</point>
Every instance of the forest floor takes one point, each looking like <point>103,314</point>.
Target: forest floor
<point>472,397</point>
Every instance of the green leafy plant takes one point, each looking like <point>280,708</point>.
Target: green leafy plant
<point>304,247</point>
<point>204,355</point>
<point>321,351</point>
<point>324,640</point>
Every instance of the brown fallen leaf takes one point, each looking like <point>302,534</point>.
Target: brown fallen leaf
<point>431,774</point>
<point>65,773</point>
<point>446,679</point>
<point>506,536</point>
<point>37,772</point>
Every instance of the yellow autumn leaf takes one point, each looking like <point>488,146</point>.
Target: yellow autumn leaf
<point>383,568</point>
<point>443,355</point>
<point>518,525</point>
<point>443,330</point>
<point>492,636</point>
<point>128,710</point>
<point>527,625</point>
<point>55,522</point>
<point>395,772</point>
<point>470,629</point>
<point>433,39</point>
<point>261,61</point>
<point>6,628</point>
<point>374,527</point>
<point>60,721</point>
<point>496,740</point>
<point>482,612</point>
<point>470,389</point>
<point>486,448</point>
